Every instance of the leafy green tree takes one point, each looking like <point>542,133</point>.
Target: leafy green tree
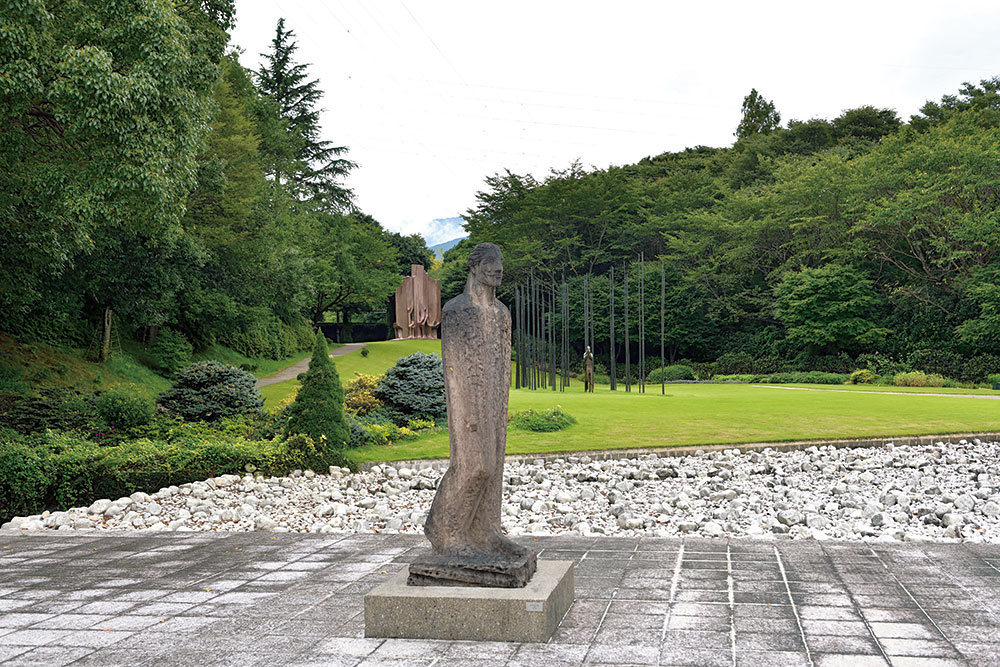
<point>866,123</point>
<point>759,116</point>
<point>982,332</point>
<point>103,109</point>
<point>411,249</point>
<point>321,166</point>
<point>352,265</point>
<point>318,409</point>
<point>928,206</point>
<point>805,137</point>
<point>984,97</point>
<point>829,309</point>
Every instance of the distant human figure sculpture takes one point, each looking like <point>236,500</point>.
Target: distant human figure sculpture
<point>463,525</point>
<point>418,305</point>
<point>588,370</point>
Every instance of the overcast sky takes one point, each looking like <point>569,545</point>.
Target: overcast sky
<point>432,96</point>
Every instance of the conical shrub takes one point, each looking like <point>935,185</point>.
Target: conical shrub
<point>318,409</point>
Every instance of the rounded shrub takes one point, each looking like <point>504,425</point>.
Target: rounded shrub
<point>211,390</point>
<point>543,421</point>
<point>863,376</point>
<point>671,373</point>
<point>918,379</point>
<point>171,351</point>
<point>318,409</point>
<point>414,387</point>
<point>123,408</point>
<point>359,396</point>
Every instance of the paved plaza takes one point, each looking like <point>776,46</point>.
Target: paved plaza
<point>293,599</point>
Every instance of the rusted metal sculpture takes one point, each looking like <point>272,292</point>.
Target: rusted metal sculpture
<point>418,305</point>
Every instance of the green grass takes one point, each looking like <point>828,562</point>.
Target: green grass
<point>39,366</point>
<point>904,390</point>
<point>696,414</point>
<point>31,366</point>
<point>692,414</point>
<point>265,367</point>
<point>381,357</point>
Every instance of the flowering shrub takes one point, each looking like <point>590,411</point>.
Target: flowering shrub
<point>360,394</point>
<point>863,376</point>
<point>918,379</point>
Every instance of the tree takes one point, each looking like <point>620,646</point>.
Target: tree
<point>411,249</point>
<point>318,409</point>
<point>866,123</point>
<point>984,97</point>
<point>927,205</point>
<point>320,165</point>
<point>352,266</point>
<point>759,116</point>
<point>103,110</point>
<point>829,309</point>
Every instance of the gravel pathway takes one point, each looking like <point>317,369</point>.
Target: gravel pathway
<point>293,371</point>
<point>940,492</point>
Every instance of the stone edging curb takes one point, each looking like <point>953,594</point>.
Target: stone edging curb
<point>687,450</point>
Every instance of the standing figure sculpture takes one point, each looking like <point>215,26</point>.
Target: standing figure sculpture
<point>588,370</point>
<point>463,525</point>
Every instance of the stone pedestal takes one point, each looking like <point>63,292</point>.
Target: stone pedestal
<point>529,614</point>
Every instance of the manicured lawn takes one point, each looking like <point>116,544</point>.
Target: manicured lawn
<point>693,414</point>
<point>903,390</point>
<point>382,356</point>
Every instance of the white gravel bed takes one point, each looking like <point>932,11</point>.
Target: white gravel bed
<point>943,492</point>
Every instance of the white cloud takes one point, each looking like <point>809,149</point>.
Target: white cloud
<point>432,96</point>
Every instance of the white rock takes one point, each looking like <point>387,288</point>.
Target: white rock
<point>99,506</point>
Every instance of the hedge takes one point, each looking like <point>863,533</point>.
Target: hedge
<point>59,471</point>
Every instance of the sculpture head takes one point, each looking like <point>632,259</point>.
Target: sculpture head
<point>486,265</point>
<point>588,350</point>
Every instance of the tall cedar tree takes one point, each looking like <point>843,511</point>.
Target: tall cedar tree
<point>318,409</point>
<point>320,165</point>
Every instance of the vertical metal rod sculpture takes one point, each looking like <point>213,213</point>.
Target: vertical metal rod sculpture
<point>611,326</point>
<point>543,370</point>
<point>517,339</point>
<point>540,341</point>
<point>534,333</point>
<point>586,313</point>
<point>552,338</point>
<point>590,310</point>
<point>663,291</point>
<point>530,319</point>
<point>628,339</point>
<point>563,378</point>
<point>642,323</point>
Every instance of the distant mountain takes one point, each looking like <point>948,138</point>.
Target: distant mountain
<point>441,248</point>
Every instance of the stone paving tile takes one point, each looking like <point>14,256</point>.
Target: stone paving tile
<point>50,656</point>
<point>202,599</point>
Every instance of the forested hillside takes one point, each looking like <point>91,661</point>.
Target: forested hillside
<point>860,241</point>
<point>151,183</point>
